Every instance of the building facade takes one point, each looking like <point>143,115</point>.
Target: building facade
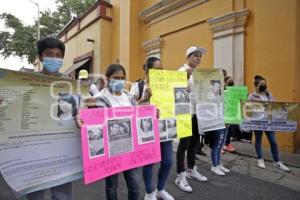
<point>245,37</point>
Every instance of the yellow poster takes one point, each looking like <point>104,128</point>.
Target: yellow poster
<point>171,96</point>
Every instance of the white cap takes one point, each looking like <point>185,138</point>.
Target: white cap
<point>194,49</point>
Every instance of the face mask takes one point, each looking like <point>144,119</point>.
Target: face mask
<point>52,65</point>
<point>116,85</point>
<point>230,84</point>
<point>262,88</point>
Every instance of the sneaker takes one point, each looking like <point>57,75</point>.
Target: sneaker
<point>261,163</point>
<point>194,174</point>
<point>182,183</point>
<point>280,165</point>
<point>164,195</point>
<point>229,148</point>
<point>217,171</point>
<point>223,169</point>
<point>150,196</point>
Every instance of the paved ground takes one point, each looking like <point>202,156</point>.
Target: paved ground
<point>246,181</point>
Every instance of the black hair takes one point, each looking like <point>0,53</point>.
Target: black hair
<point>227,77</point>
<point>50,43</point>
<point>113,68</point>
<point>257,79</point>
<point>147,119</point>
<point>224,72</point>
<point>150,63</point>
<point>70,99</point>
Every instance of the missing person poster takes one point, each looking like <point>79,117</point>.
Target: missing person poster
<point>270,116</point>
<point>122,138</point>
<point>208,91</point>
<point>170,94</point>
<point>232,106</point>
<point>39,141</point>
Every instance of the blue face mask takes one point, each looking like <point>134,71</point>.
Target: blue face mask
<point>52,65</point>
<point>116,85</point>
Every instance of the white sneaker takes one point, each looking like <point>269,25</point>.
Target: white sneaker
<point>150,196</point>
<point>261,163</point>
<point>223,169</point>
<point>217,171</point>
<point>182,183</point>
<point>194,174</point>
<point>280,165</point>
<point>164,195</point>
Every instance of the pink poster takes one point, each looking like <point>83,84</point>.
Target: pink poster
<point>117,139</point>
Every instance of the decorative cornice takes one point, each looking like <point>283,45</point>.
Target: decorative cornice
<point>163,7</point>
<point>232,23</point>
<point>153,44</point>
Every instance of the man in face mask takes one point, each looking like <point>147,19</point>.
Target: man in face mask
<point>51,52</point>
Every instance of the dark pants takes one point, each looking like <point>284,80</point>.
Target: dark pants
<point>188,144</point>
<point>131,178</point>
<point>272,141</point>
<point>166,149</point>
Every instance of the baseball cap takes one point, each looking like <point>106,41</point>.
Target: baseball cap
<point>83,74</point>
<point>193,49</point>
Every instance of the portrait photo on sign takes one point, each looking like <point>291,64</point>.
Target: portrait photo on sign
<point>162,125</point>
<point>95,141</point>
<point>280,112</point>
<point>145,130</point>
<point>119,136</point>
<point>182,101</point>
<point>171,128</point>
<point>215,91</point>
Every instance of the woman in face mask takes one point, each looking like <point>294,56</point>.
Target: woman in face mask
<point>262,94</point>
<point>114,95</point>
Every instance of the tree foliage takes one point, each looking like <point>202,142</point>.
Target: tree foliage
<point>20,39</point>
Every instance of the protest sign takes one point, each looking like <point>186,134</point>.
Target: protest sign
<point>39,142</point>
<point>270,116</point>
<point>170,95</point>
<point>208,93</point>
<point>118,139</point>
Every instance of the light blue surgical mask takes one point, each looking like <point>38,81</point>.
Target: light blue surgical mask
<point>52,65</point>
<point>116,85</point>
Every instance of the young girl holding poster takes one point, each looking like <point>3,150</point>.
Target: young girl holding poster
<point>142,94</point>
<point>262,94</point>
<point>114,95</point>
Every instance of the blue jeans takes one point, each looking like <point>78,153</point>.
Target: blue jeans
<point>131,178</point>
<point>60,192</point>
<point>219,137</point>
<point>272,141</point>
<point>166,149</point>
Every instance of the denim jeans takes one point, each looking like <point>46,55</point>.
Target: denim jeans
<point>166,149</point>
<point>131,178</point>
<point>272,141</point>
<point>188,144</point>
<point>60,192</point>
<point>219,137</point>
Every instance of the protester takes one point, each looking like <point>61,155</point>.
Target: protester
<point>262,94</point>
<point>51,52</point>
<point>114,95</point>
<point>84,78</point>
<point>142,93</point>
<point>193,59</point>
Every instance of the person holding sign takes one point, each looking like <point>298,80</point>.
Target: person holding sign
<point>262,94</point>
<point>51,52</point>
<point>142,94</point>
<point>193,60</point>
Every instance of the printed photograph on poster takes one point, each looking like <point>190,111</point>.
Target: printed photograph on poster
<point>280,112</point>
<point>163,135</point>
<point>171,128</point>
<point>145,130</point>
<point>67,109</point>
<point>182,101</point>
<point>214,92</point>
<point>119,136</point>
<point>261,114</point>
<point>95,140</point>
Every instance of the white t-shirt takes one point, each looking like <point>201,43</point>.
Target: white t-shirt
<point>135,89</point>
<point>93,89</point>
<point>185,67</point>
<point>117,101</point>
